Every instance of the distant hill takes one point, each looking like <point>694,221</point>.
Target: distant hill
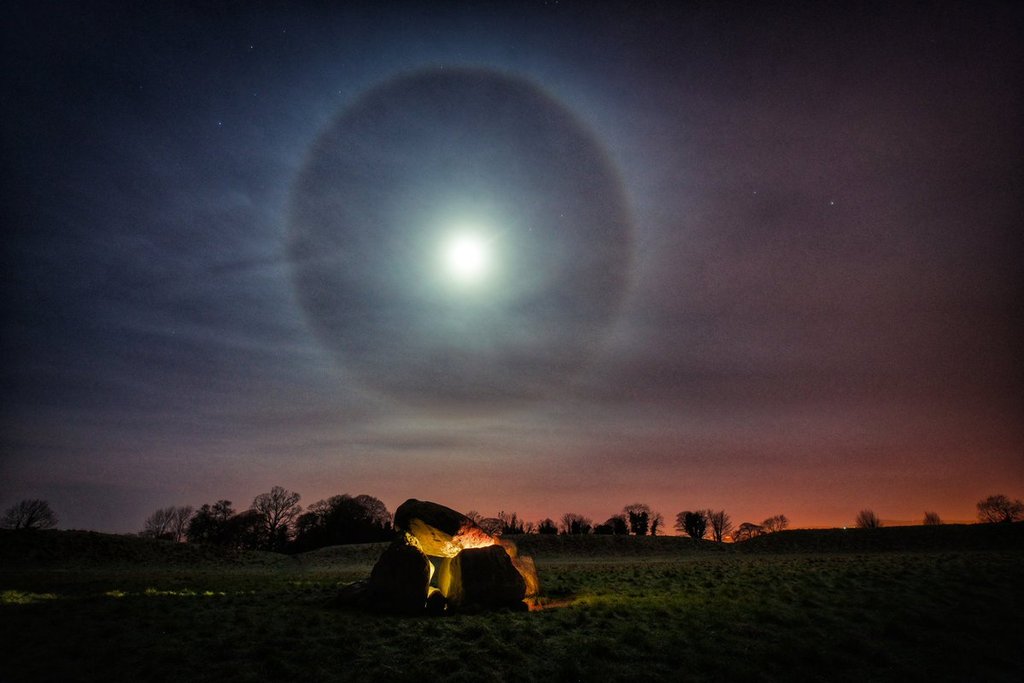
<point>945,537</point>
<point>942,537</point>
<point>601,546</point>
<point>68,550</point>
<point>56,549</point>
<point>353,556</point>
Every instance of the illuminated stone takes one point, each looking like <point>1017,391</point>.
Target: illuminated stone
<point>443,559</point>
<point>485,577</point>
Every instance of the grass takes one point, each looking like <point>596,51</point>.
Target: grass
<point>656,609</point>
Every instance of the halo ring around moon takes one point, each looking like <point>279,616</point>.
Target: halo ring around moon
<point>396,169</point>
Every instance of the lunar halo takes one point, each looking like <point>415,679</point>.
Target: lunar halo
<point>456,234</point>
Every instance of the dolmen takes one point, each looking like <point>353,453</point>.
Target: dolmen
<point>443,561</point>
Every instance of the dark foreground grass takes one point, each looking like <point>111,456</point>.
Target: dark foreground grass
<point>919,616</point>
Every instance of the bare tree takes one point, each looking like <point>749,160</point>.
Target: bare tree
<point>775,523</point>
<point>31,513</point>
<point>932,519</point>
<point>170,523</point>
<point>999,508</point>
<point>657,522</point>
<point>510,523</point>
<point>719,522</point>
<point>867,519</point>
<point>693,524</point>
<point>179,522</point>
<point>574,524</point>
<point>157,523</point>
<point>491,525</point>
<point>746,531</point>
<point>277,510</point>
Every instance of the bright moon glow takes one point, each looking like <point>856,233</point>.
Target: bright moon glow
<point>466,257</point>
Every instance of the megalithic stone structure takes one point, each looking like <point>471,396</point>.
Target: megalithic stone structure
<point>444,557</point>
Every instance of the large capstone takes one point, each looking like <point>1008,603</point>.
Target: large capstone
<point>442,518</point>
<point>439,531</point>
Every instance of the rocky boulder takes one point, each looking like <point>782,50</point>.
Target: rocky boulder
<point>484,577</point>
<point>400,580</point>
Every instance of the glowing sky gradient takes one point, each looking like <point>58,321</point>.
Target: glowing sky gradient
<point>821,311</point>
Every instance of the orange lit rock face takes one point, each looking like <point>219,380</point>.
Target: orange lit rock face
<point>436,543</point>
<point>467,566</point>
<point>524,565</point>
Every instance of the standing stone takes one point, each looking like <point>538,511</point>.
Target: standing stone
<point>485,577</point>
<point>399,580</point>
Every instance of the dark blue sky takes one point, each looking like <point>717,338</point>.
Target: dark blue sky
<point>820,309</point>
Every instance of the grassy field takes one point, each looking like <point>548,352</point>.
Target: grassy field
<point>832,605</point>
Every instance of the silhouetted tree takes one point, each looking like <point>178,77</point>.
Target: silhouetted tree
<point>616,525</point>
<point>218,524</point>
<point>491,525</point>
<point>746,531</point>
<point>999,508</point>
<point>639,517</point>
<point>247,531</point>
<point>373,512</point>
<point>311,526</point>
<point>719,522</point>
<point>547,526</point>
<point>156,524</point>
<point>657,521</point>
<point>362,519</point>
<point>169,523</point>
<point>510,523</point>
<point>340,520</point>
<point>775,523</point>
<point>210,524</point>
<point>31,513</point>
<point>693,524</point>
<point>931,519</point>
<point>867,519</point>
<point>574,524</point>
<point>180,519</point>
<point>278,510</point>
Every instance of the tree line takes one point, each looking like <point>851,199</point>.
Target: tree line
<point>991,510</point>
<point>275,521</point>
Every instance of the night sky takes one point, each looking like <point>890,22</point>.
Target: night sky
<point>532,257</point>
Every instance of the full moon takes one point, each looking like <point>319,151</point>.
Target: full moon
<point>466,257</point>
<point>459,237</point>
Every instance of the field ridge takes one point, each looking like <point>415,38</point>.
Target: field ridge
<point>76,549</point>
<point>54,549</point>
